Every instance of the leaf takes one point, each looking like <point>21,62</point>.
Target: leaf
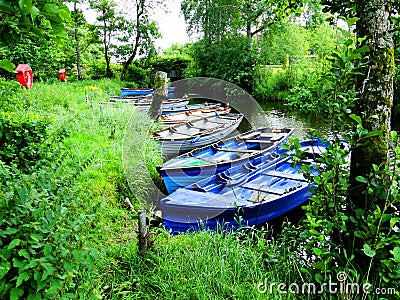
<point>52,9</point>
<point>7,65</point>
<point>319,277</point>
<point>49,270</point>
<point>25,6</point>
<point>47,249</point>
<point>34,12</point>
<point>15,293</point>
<point>55,286</point>
<point>362,49</point>
<point>14,243</point>
<point>21,278</point>
<point>373,133</point>
<point>317,251</point>
<point>368,251</point>
<point>361,179</point>
<point>393,222</point>
<point>352,21</point>
<point>5,266</point>
<point>33,263</point>
<point>24,253</point>
<point>356,118</point>
<point>393,135</point>
<point>9,231</point>
<point>396,254</point>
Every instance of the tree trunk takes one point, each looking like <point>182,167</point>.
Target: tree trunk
<point>106,43</point>
<point>128,63</point>
<point>160,94</point>
<point>375,92</point>
<point>77,45</point>
<point>139,13</point>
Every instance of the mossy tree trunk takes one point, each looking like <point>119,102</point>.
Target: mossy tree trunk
<point>160,94</point>
<point>375,91</point>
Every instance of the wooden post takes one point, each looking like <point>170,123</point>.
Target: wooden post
<point>159,95</point>
<point>142,231</point>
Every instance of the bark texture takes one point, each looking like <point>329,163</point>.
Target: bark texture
<point>375,90</point>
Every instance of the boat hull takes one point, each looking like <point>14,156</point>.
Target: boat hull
<point>181,219</point>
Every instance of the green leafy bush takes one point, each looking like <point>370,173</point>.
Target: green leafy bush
<point>25,139</point>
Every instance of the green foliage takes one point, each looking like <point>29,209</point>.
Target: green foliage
<point>338,237</point>
<point>25,139</point>
<point>175,66</point>
<point>26,16</point>
<point>332,91</point>
<point>44,56</point>
<point>42,248</point>
<point>228,60</point>
<point>138,75</point>
<point>271,83</point>
<point>284,40</point>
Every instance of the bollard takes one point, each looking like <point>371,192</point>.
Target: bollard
<point>62,75</point>
<point>24,75</point>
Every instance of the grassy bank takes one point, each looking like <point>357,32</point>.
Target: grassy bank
<point>66,231</point>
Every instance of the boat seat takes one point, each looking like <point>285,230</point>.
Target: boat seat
<point>222,177</point>
<point>290,176</point>
<point>267,135</point>
<point>249,167</point>
<point>259,141</point>
<point>263,188</point>
<point>235,150</point>
<point>250,135</point>
<point>197,188</point>
<point>277,137</point>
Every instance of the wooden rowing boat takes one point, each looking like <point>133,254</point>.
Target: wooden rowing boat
<point>197,133</point>
<point>209,160</point>
<point>198,111</point>
<point>245,195</point>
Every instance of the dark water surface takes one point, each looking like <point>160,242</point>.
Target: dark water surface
<point>279,115</point>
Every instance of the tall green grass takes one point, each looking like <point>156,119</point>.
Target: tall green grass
<point>86,235</point>
<point>204,265</point>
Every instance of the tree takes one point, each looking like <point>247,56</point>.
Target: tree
<point>77,19</point>
<point>224,23</point>
<point>137,36</point>
<point>107,19</point>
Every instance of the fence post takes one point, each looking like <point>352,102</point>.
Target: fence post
<point>142,230</point>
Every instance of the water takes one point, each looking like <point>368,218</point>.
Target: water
<point>279,116</point>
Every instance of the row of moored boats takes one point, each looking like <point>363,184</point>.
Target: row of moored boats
<point>217,180</point>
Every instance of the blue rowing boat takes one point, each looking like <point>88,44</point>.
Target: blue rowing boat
<point>144,91</point>
<point>136,91</point>
<point>185,108</point>
<point>203,131</point>
<point>246,195</point>
<point>204,162</point>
